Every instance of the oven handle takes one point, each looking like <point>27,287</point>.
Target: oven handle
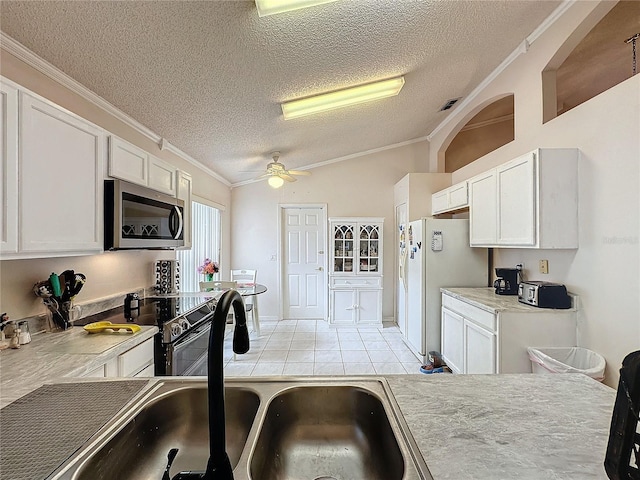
<point>191,337</point>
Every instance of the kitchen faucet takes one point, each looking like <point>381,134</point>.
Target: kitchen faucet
<point>218,466</point>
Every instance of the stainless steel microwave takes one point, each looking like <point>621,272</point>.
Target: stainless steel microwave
<point>137,217</point>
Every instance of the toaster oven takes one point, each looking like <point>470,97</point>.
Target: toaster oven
<point>544,294</point>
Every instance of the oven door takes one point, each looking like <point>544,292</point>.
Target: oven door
<point>188,355</point>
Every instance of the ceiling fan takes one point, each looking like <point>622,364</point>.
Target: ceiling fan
<point>277,174</point>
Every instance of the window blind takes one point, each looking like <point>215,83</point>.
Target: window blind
<point>205,243</point>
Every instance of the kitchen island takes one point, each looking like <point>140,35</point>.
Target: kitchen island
<point>494,426</point>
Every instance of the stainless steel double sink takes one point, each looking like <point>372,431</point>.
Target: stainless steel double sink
<point>302,428</point>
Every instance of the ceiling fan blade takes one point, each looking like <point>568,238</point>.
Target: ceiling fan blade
<point>298,172</point>
<point>287,177</point>
<point>266,174</point>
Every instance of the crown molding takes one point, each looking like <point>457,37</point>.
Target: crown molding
<point>520,49</point>
<point>21,52</point>
<point>486,123</point>
<point>340,159</point>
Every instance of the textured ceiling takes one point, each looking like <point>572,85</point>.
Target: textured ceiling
<point>209,76</point>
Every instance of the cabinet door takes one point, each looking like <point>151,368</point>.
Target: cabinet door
<point>9,171</point>
<point>128,162</point>
<point>162,176</point>
<point>136,359</point>
<point>369,306</point>
<point>458,196</point>
<point>480,349</point>
<point>60,180</point>
<point>482,209</point>
<point>440,202</point>
<point>369,257</point>
<point>343,248</point>
<point>517,202</point>
<point>342,306</point>
<point>452,339</point>
<point>184,193</point>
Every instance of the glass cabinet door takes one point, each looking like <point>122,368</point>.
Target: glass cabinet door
<point>343,245</point>
<point>369,240</point>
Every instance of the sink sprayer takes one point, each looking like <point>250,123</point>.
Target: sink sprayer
<point>218,466</point>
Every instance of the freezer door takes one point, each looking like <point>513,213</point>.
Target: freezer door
<point>415,288</point>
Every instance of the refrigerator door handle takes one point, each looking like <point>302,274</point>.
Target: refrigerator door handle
<point>402,269</point>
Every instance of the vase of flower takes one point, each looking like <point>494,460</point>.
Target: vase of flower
<point>208,269</point>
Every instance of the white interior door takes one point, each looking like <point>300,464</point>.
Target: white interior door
<point>304,283</point>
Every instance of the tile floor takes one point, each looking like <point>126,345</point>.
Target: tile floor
<point>310,347</point>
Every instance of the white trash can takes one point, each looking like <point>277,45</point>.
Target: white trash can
<point>567,360</point>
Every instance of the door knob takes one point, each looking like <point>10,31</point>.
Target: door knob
<point>319,269</point>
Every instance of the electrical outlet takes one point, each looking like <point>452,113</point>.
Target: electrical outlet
<point>544,266</point>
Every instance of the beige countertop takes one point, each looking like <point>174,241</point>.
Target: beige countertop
<point>53,355</point>
<point>489,427</point>
<point>486,299</point>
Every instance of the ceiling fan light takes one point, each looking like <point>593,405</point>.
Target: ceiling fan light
<point>275,181</point>
<point>271,7</point>
<point>342,98</point>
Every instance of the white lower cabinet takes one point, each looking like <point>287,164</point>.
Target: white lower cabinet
<point>355,306</point>
<point>495,339</point>
<point>135,362</point>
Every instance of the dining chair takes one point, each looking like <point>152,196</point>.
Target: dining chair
<point>248,278</point>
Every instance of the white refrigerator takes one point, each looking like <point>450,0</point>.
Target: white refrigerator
<point>438,255</point>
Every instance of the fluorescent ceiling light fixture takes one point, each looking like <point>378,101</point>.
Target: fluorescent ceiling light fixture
<point>275,182</point>
<point>271,7</point>
<point>342,98</point>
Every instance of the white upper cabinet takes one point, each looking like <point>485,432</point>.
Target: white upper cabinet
<point>135,165</point>
<point>483,209</point>
<point>9,172</point>
<point>528,202</point>
<point>516,222</point>
<point>450,199</point>
<point>162,176</point>
<point>128,162</point>
<point>60,180</point>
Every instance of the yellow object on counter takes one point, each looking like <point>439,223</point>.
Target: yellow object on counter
<point>98,327</point>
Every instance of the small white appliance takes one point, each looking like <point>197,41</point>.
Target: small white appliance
<point>438,255</point>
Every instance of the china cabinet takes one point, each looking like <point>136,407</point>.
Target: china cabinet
<point>355,276</point>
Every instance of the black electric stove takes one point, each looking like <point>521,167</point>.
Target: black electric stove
<point>183,322</point>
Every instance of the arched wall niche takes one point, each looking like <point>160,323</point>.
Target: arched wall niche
<point>594,59</point>
<point>486,128</point>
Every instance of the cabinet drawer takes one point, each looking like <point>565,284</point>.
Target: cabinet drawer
<point>136,359</point>
<point>470,312</point>
<point>354,282</point>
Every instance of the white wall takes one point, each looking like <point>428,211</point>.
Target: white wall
<point>358,187</point>
<point>604,270</point>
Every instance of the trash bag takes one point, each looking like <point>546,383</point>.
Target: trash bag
<point>567,360</point>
